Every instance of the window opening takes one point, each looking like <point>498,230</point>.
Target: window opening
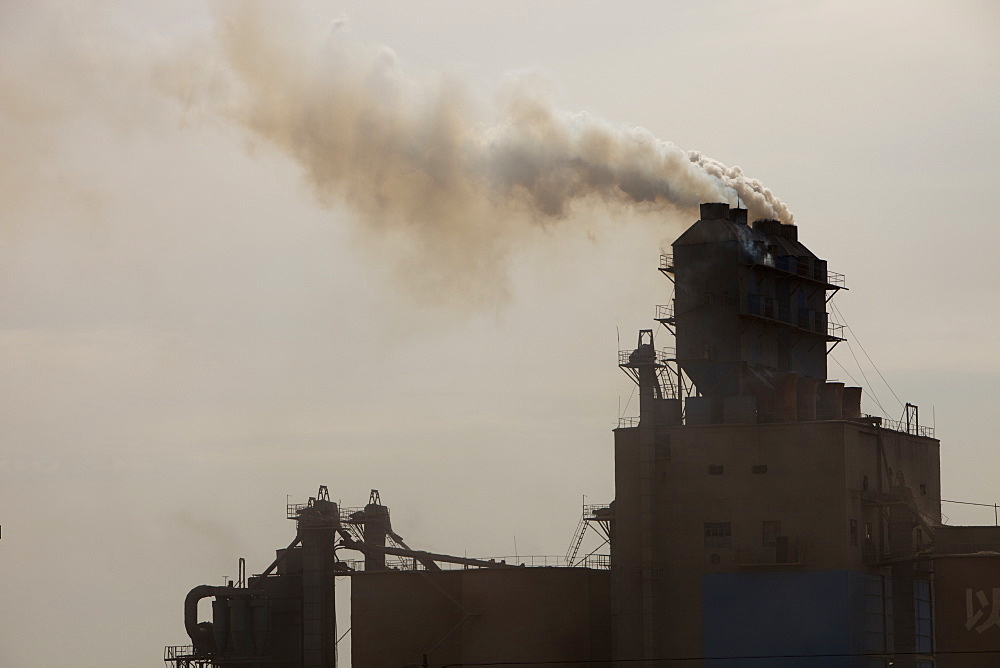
<point>769,532</point>
<point>718,534</point>
<point>924,617</point>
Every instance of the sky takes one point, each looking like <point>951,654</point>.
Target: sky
<point>212,298</point>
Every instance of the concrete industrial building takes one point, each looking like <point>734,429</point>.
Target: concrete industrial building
<point>760,519</point>
<point>774,520</point>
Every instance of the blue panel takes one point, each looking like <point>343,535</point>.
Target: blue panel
<point>783,620</point>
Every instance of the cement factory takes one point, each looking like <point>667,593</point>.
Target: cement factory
<point>760,518</point>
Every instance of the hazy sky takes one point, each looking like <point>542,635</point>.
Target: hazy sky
<point>205,304</point>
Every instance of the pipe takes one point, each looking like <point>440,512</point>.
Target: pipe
<point>421,556</point>
<point>204,591</point>
<point>191,608</point>
<point>427,563</point>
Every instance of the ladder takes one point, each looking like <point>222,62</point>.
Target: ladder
<point>574,546</point>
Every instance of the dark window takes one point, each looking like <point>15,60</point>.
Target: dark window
<point>718,534</point>
<point>769,532</point>
<point>924,616</point>
<point>864,483</point>
<point>854,533</point>
<point>715,558</point>
<point>715,469</point>
<point>760,468</point>
<point>663,448</point>
<point>868,532</point>
<point>923,489</point>
<point>876,618</point>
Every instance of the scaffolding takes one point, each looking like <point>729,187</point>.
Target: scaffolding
<point>596,518</point>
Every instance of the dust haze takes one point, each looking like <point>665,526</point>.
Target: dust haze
<point>451,181</point>
<point>202,311</point>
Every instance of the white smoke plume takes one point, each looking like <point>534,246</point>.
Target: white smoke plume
<point>419,161</point>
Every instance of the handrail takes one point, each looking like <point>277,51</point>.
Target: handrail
<point>172,652</point>
<point>808,267</point>
<point>810,320</point>
<point>663,355</point>
<point>292,511</point>
<point>833,278</point>
<point>526,561</point>
<point>900,426</point>
<point>594,509</point>
<point>185,655</point>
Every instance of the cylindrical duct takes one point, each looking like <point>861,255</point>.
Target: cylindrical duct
<point>376,528</point>
<point>806,404</point>
<point>220,624</point>
<point>852,403</point>
<point>260,620</point>
<point>238,630</point>
<point>831,398</point>
<point>786,396</point>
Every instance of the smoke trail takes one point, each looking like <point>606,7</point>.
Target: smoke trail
<point>553,158</point>
<point>419,160</point>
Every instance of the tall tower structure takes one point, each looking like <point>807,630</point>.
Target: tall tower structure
<point>758,513</point>
<point>750,320</point>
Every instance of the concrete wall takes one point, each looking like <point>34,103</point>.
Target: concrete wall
<point>809,619</point>
<point>479,616</point>
<point>951,539</point>
<point>912,460</point>
<point>809,476</point>
<point>964,624</point>
<point>802,488</point>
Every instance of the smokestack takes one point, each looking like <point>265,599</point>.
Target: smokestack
<point>767,226</point>
<point>738,215</point>
<point>714,211</point>
<point>789,232</point>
